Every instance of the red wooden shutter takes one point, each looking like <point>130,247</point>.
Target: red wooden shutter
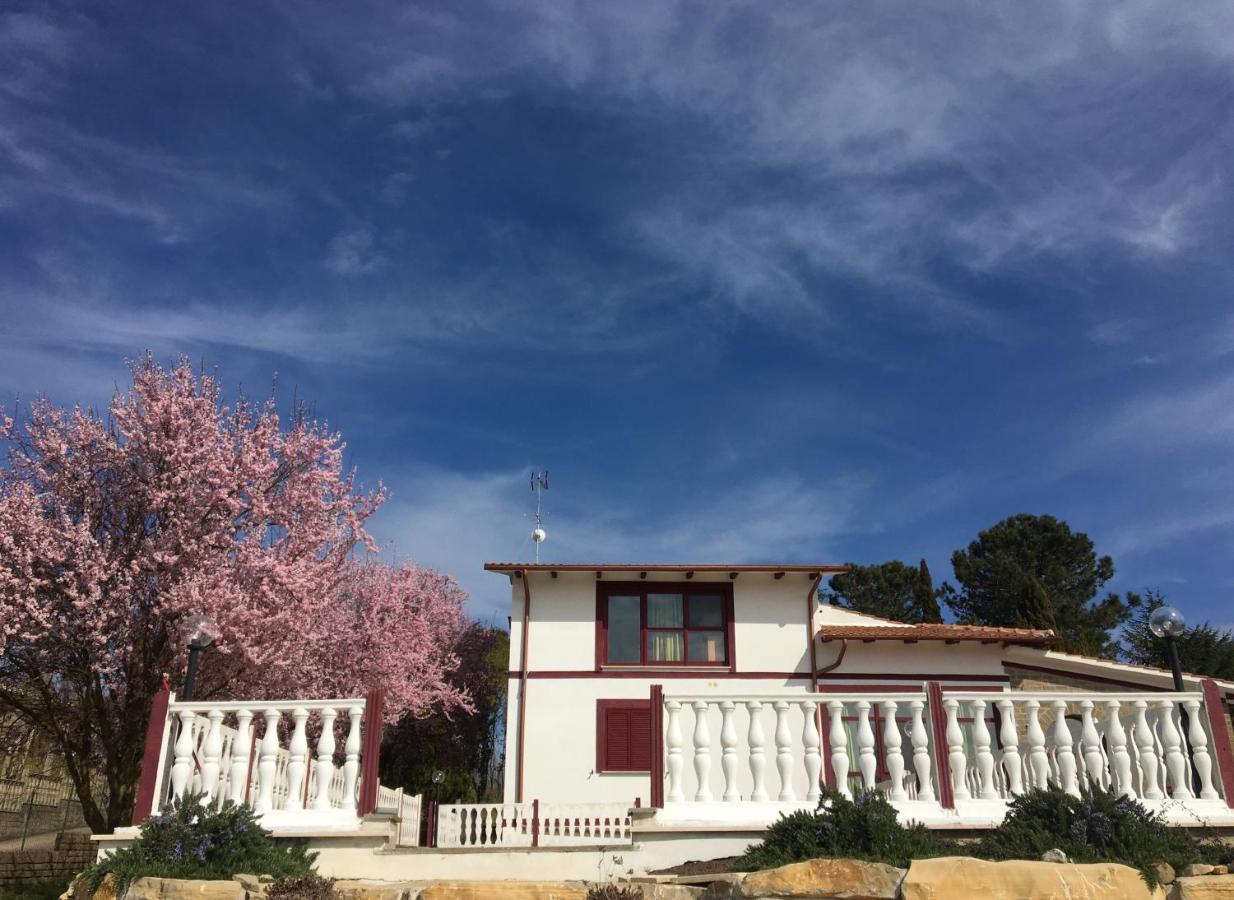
<point>624,738</point>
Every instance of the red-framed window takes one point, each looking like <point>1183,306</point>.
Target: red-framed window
<point>623,736</point>
<point>668,624</point>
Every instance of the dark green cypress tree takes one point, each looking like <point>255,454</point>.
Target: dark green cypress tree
<point>1034,609</point>
<point>925,597</point>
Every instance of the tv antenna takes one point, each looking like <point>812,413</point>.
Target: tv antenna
<point>539,484</point>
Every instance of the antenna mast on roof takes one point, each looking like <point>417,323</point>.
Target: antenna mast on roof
<point>539,484</point>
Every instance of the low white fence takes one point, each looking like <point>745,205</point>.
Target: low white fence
<point>534,824</point>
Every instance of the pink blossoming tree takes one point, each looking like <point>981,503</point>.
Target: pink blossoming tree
<point>114,530</point>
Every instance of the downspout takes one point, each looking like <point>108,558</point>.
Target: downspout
<point>811,601</point>
<point>522,688</point>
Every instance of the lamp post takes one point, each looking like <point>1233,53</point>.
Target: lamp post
<point>198,632</point>
<point>1168,623</point>
<point>438,777</point>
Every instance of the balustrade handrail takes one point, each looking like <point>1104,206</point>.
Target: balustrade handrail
<point>1072,696</point>
<point>794,697</point>
<point>227,706</point>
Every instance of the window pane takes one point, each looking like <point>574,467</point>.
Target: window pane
<point>623,629</point>
<point>707,646</point>
<point>664,646</point>
<point>664,610</point>
<point>706,611</point>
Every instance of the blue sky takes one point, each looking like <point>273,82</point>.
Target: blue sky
<point>786,282</point>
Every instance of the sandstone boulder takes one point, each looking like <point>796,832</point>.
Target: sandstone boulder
<point>955,878</point>
<point>368,890</point>
<point>1196,869</point>
<point>669,891</point>
<point>504,890</point>
<point>1203,887</point>
<point>177,889</point>
<point>843,879</point>
<point>1165,872</point>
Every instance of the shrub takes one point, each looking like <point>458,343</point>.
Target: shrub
<point>612,892</point>
<point>864,827</point>
<point>1097,826</point>
<point>33,890</point>
<point>302,887</point>
<point>193,840</point>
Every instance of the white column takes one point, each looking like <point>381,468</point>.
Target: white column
<point>1199,750</point>
<point>351,762</point>
<point>921,751</point>
<point>985,758</point>
<point>1116,743</point>
<point>813,760</point>
<point>839,747</point>
<point>957,762</point>
<point>1038,760</point>
<point>298,752</point>
<point>891,749</point>
<point>212,752</point>
<point>325,759</point>
<point>1147,753</point>
<point>1175,762</point>
<point>1090,745</point>
<point>182,767</point>
<point>1064,756</point>
<point>674,740</point>
<point>267,761</point>
<point>1012,765</point>
<point>728,747</point>
<point>867,762</point>
<point>241,747</point>
<point>702,752</point>
<point>784,753</point>
<point>758,762</point>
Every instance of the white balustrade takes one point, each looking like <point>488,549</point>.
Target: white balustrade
<point>1064,756</point>
<point>1199,750</point>
<point>891,747</point>
<point>1011,762</point>
<point>921,751</point>
<point>758,762</point>
<point>702,752</point>
<point>784,752</point>
<point>674,741</point>
<point>728,751</point>
<point>216,753</point>
<point>486,825</point>
<point>867,762</point>
<point>985,759</point>
<point>839,748</point>
<point>811,741</point>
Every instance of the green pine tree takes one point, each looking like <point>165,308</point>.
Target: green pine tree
<point>1034,609</point>
<point>925,597</point>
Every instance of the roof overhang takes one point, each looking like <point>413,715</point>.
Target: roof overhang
<point>950,634</point>
<point>732,570</point>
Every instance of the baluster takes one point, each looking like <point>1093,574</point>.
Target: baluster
<point>1120,759</point>
<point>1199,750</point>
<point>298,750</point>
<point>1010,741</point>
<point>211,751</point>
<point>867,762</point>
<point>957,761</point>
<point>675,741</point>
<point>182,768</point>
<point>1064,756</point>
<point>1038,760</point>
<point>921,751</point>
<point>1175,762</point>
<point>891,749</point>
<point>702,752</point>
<point>325,759</point>
<point>756,740</point>
<point>1090,745</point>
<point>241,746</point>
<point>985,759</point>
<point>267,763</point>
<point>351,763</point>
<point>784,752</point>
<point>839,748</point>
<point>1148,753</point>
<point>813,761</point>
<point>728,751</point>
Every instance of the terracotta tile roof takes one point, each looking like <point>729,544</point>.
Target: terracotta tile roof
<point>1027,636</point>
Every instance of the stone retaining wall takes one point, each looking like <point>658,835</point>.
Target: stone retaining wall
<point>73,852</point>
<point>42,819</point>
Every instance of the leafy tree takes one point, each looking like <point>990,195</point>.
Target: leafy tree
<point>993,568</point>
<point>892,590</point>
<point>1035,609</point>
<point>466,748</point>
<point>114,530</point>
<point>926,596</point>
<point>1202,649</point>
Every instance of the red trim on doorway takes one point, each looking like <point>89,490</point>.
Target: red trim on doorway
<point>656,704</point>
<point>152,756</point>
<point>938,734</point>
<point>1218,720</point>
<point>370,751</point>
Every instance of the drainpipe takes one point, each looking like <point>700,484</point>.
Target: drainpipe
<point>811,601</point>
<point>522,688</point>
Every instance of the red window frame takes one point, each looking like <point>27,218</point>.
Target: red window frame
<point>642,588</point>
<point>603,707</point>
